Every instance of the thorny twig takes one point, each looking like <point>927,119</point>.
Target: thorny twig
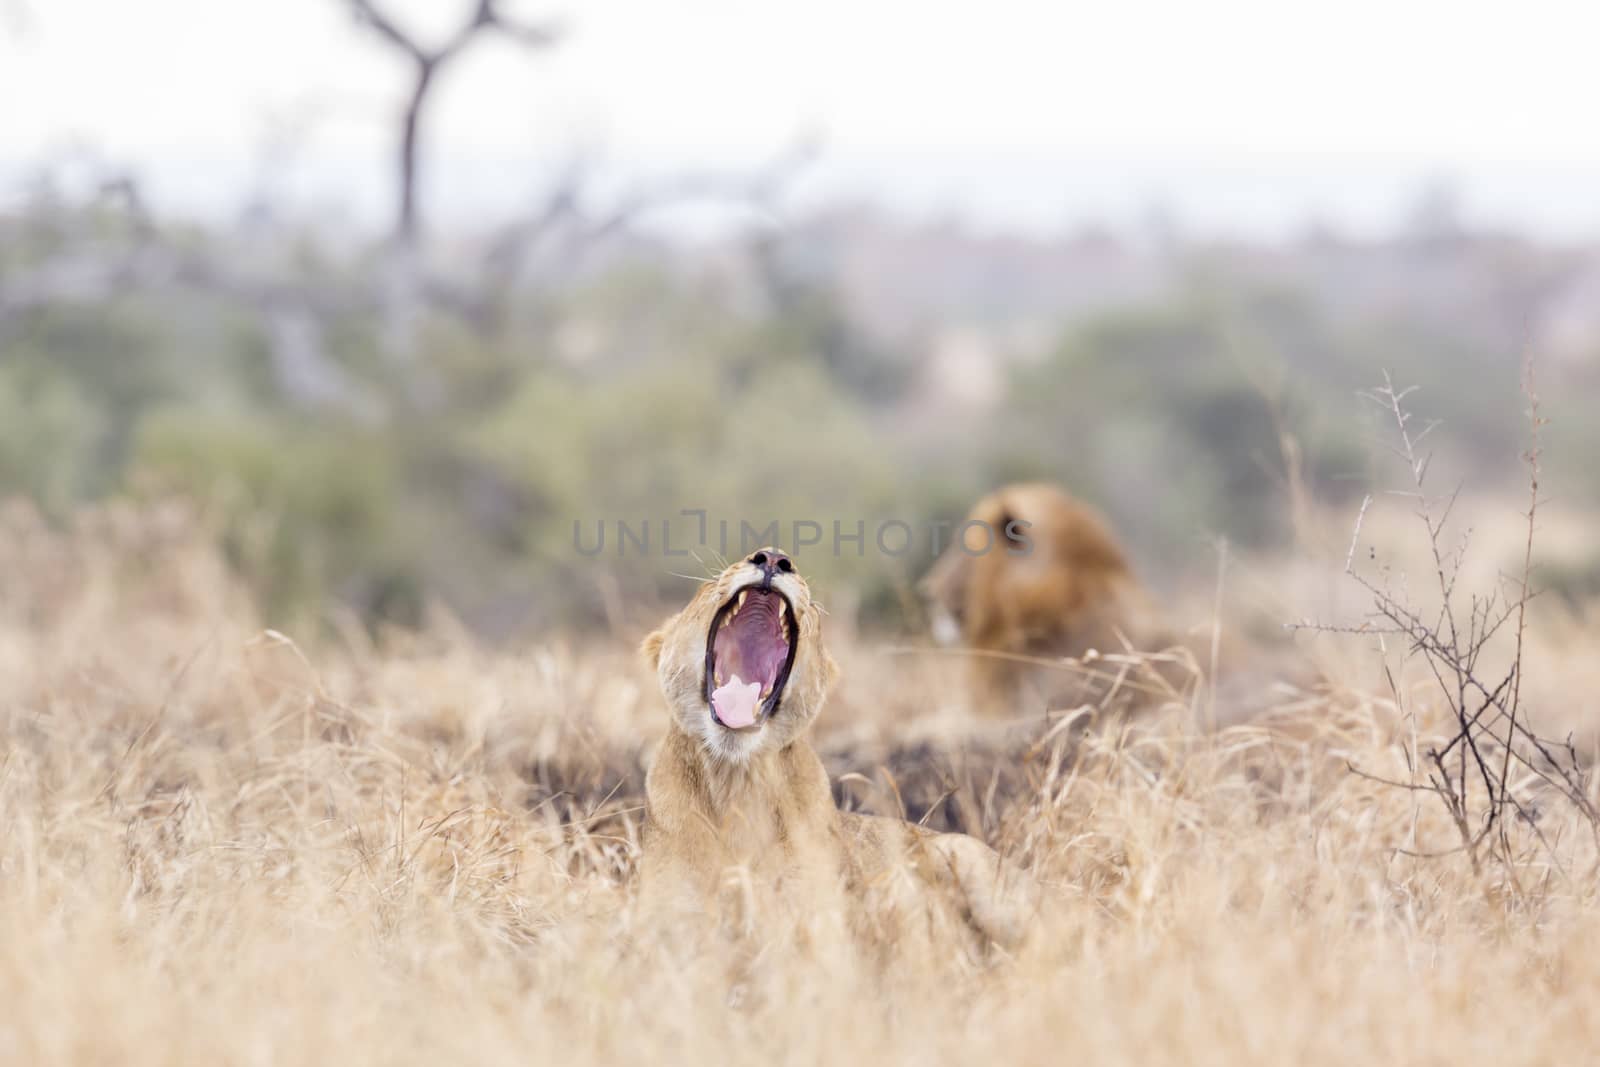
<point>1451,647</point>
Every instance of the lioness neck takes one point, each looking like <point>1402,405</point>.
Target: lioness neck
<point>719,784</point>
<point>774,785</point>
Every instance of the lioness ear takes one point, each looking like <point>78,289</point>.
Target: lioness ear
<point>652,648</point>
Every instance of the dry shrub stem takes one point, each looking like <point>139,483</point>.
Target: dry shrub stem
<point>1493,770</point>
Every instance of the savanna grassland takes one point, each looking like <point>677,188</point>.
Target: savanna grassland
<point>221,844</point>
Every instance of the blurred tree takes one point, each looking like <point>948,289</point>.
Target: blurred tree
<point>427,64</point>
<point>1174,419</point>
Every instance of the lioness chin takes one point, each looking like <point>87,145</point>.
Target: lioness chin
<point>736,792</point>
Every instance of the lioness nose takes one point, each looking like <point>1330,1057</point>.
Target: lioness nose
<point>771,561</point>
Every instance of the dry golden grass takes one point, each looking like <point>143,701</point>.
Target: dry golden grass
<point>218,846</point>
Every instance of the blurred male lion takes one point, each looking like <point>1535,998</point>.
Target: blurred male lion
<point>1034,578</point>
<point>739,807</point>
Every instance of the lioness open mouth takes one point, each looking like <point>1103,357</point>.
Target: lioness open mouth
<point>749,652</point>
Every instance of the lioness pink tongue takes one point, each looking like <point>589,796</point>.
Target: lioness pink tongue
<point>735,703</point>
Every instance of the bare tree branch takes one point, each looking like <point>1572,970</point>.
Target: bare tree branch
<point>426,64</point>
<point>563,204</point>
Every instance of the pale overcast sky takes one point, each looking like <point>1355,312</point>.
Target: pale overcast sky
<point>1242,114</point>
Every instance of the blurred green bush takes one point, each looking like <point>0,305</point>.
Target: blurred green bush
<point>454,476</point>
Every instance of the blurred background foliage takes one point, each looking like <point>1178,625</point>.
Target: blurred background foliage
<point>381,426</point>
<point>363,452</point>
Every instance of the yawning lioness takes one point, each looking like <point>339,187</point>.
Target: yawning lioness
<point>737,794</point>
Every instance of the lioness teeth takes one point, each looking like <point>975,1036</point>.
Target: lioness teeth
<point>783,608</point>
<point>720,679</point>
<point>742,594</point>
